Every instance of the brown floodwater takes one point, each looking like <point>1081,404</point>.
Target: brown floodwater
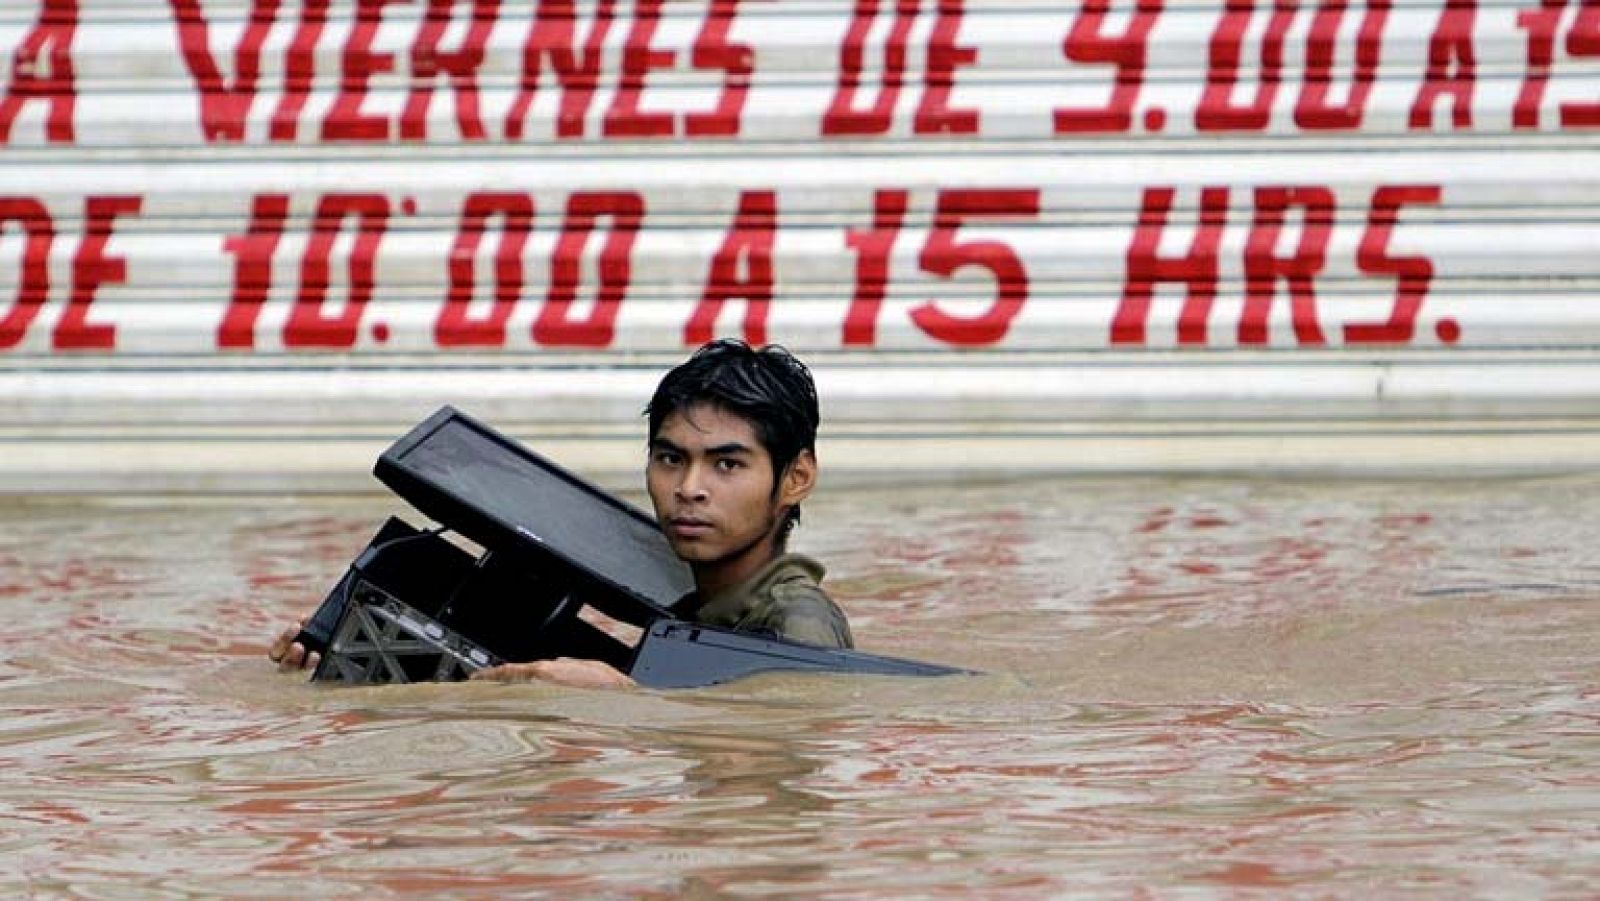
<point>1193,687</point>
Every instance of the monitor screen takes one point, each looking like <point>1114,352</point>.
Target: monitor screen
<point>491,489</point>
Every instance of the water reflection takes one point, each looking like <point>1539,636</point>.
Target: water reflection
<point>1215,685</point>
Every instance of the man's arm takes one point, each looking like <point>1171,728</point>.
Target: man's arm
<point>570,671</point>
<point>291,655</point>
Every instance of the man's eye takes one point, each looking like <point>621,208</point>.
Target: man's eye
<point>667,458</point>
<point>728,464</point>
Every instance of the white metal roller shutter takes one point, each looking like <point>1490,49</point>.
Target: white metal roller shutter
<point>243,244</point>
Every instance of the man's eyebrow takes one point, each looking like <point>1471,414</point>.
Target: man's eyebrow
<point>731,448</point>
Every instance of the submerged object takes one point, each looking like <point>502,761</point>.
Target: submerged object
<point>414,606</point>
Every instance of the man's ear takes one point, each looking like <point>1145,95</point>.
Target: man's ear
<point>798,480</point>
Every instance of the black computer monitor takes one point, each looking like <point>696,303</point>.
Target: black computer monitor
<point>511,500</point>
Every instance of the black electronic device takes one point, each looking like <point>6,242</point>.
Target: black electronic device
<point>400,560</point>
<point>381,640</point>
<point>465,475</point>
<point>678,654</point>
<point>513,612</point>
<point>415,606</point>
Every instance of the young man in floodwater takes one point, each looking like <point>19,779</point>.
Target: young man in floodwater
<point>731,456</point>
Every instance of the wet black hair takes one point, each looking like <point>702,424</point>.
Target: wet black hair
<point>769,388</point>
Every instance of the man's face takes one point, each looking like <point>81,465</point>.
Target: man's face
<point>711,483</point>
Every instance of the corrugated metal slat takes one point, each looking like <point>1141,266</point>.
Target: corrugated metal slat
<point>1398,272</point>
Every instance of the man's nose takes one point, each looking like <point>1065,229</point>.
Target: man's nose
<point>692,486</point>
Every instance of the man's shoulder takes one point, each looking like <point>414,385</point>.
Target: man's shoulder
<point>793,571</point>
<point>793,579</point>
<point>798,606</point>
<point>800,595</point>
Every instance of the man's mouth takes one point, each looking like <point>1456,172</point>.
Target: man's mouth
<point>689,526</point>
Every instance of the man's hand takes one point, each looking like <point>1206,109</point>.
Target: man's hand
<point>569,671</point>
<point>289,654</point>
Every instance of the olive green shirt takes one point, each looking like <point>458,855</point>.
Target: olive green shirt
<point>785,598</point>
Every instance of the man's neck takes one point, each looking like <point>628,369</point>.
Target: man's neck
<point>711,579</point>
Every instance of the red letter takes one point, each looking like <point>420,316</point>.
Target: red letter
<point>456,327</point>
<point>300,70</point>
<point>944,257</point>
<point>1414,274</point>
<point>1218,111</point>
<point>1313,111</point>
<point>309,324</point>
<point>555,326</point>
<point>872,266</point>
<point>252,269</point>
<point>346,121</point>
<point>58,22</point>
<point>91,268</point>
<point>224,110</point>
<point>552,36</point>
<point>712,51</point>
<point>625,119</point>
<point>1197,269</point>
<point>1451,44</point>
<point>1583,41</point>
<point>33,288</point>
<point>1540,24</point>
<point>428,60</point>
<point>843,117</point>
<point>945,56</point>
<point>1262,269</point>
<point>1088,43</point>
<point>750,239</point>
